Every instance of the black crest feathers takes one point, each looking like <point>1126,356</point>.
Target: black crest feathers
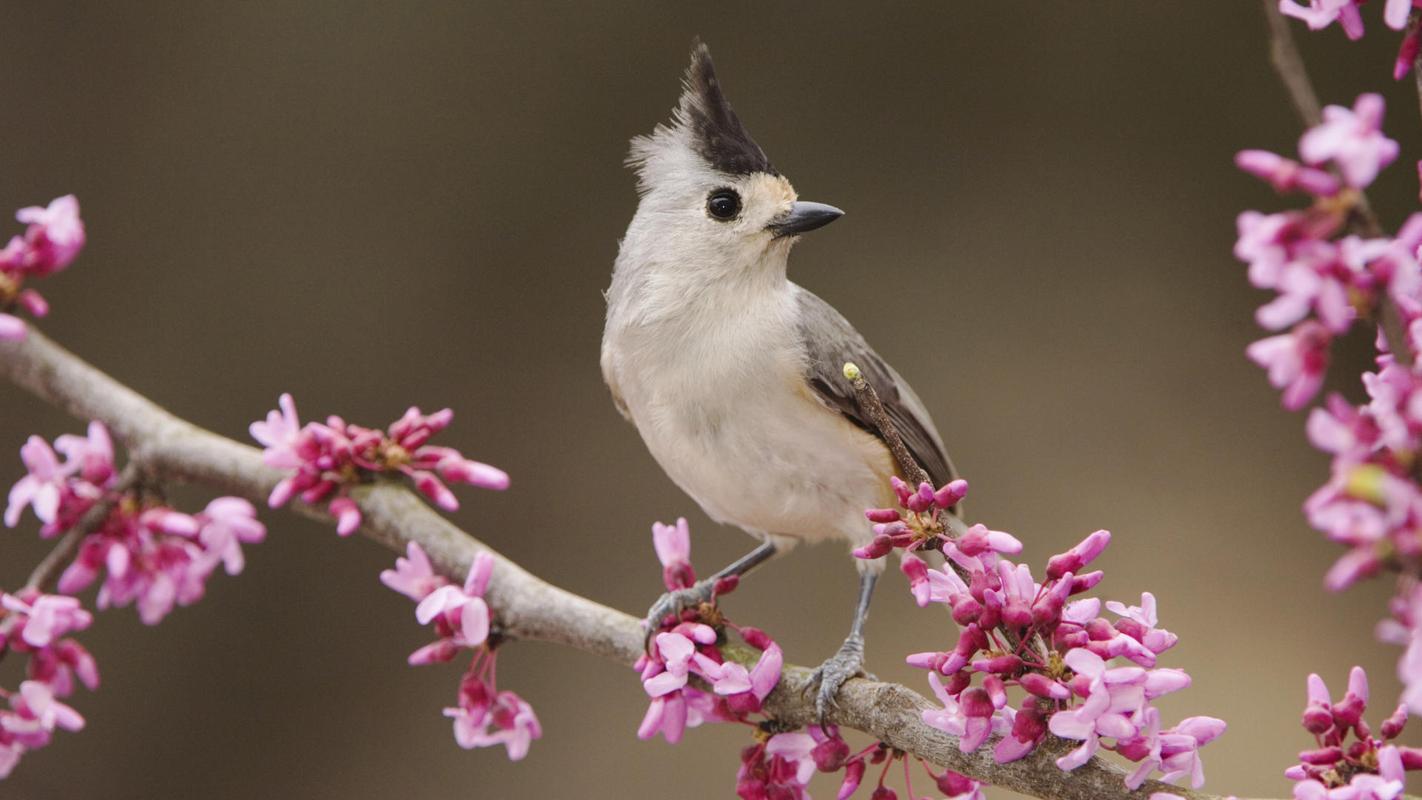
<point>717,132</point>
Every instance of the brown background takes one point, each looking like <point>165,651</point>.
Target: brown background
<point>372,205</point>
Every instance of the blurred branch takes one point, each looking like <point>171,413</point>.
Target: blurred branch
<point>1289,64</point>
<point>527,607</point>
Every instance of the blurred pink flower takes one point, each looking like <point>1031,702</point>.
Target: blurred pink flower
<point>1352,139</point>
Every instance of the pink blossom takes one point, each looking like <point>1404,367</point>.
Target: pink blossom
<point>462,609</point>
<point>59,664</point>
<point>61,493</point>
<point>326,460</point>
<point>1320,773</point>
<point>224,526</point>
<point>278,435</point>
<point>781,768</point>
<point>52,240</point>
<point>90,456</point>
<point>47,617</point>
<point>1352,139</point>
<point>1143,619</point>
<point>413,576</point>
<point>1286,175</point>
<point>1322,13</point>
<point>666,715</point>
<point>1296,361</point>
<point>673,546</point>
<point>41,486</point>
<point>54,237</point>
<point>484,718</point>
<point>796,748</point>
<point>37,714</point>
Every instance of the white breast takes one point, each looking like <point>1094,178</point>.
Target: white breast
<point>721,403</point>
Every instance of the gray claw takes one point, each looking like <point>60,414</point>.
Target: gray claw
<point>672,604</point>
<point>831,675</point>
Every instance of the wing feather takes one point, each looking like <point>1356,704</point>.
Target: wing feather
<point>829,342</point>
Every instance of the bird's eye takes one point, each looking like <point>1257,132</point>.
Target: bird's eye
<point>723,204</point>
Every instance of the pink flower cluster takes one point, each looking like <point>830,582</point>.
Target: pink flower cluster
<point>36,625</point>
<point>152,555</point>
<point>326,461</point>
<point>691,646</point>
<point>1322,13</point>
<point>1366,768</point>
<point>780,763</point>
<point>483,716</point>
<point>51,242</point>
<point>1060,653</point>
<point>1372,503</point>
<point>916,524</point>
<point>781,766</point>
<point>1324,283</point>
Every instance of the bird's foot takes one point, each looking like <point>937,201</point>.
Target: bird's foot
<point>831,675</point>
<point>673,603</point>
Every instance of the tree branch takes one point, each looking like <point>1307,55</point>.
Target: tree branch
<point>527,607</point>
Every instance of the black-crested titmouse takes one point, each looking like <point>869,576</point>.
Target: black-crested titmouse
<point>733,374</point>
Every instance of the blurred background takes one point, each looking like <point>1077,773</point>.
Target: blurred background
<point>372,205</point>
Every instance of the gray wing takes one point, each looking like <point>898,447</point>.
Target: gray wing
<point>829,342</point>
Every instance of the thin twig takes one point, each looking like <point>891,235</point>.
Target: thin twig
<point>1289,64</point>
<point>869,400</point>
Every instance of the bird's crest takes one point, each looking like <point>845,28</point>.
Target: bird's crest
<point>703,119</point>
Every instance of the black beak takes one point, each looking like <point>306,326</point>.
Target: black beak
<point>803,218</point>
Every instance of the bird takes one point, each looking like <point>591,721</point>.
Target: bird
<point>732,373</point>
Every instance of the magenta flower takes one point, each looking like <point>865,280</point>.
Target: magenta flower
<point>1286,175</point>
<point>1296,361</point>
<point>1352,139</point>
<point>915,524</point>
<point>1322,13</point>
<point>42,485</point>
<point>484,718</point>
<point>462,609</point>
<point>224,526</point>
<point>673,546</point>
<point>54,237</point>
<point>46,618</point>
<point>780,768</point>
<point>52,240</point>
<point>1338,769</point>
<point>413,576</point>
<point>1085,696</point>
<point>482,715</point>
<point>326,460</point>
<point>1142,620</point>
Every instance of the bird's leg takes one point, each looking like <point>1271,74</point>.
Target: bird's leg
<point>674,602</point>
<point>849,661</point>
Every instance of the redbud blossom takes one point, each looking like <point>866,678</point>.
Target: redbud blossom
<point>1367,767</point>
<point>1068,682</point>
<point>51,242</point>
<point>483,716</point>
<point>1352,139</point>
<point>327,460</point>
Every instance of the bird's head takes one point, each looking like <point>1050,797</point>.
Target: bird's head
<point>708,192</point>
